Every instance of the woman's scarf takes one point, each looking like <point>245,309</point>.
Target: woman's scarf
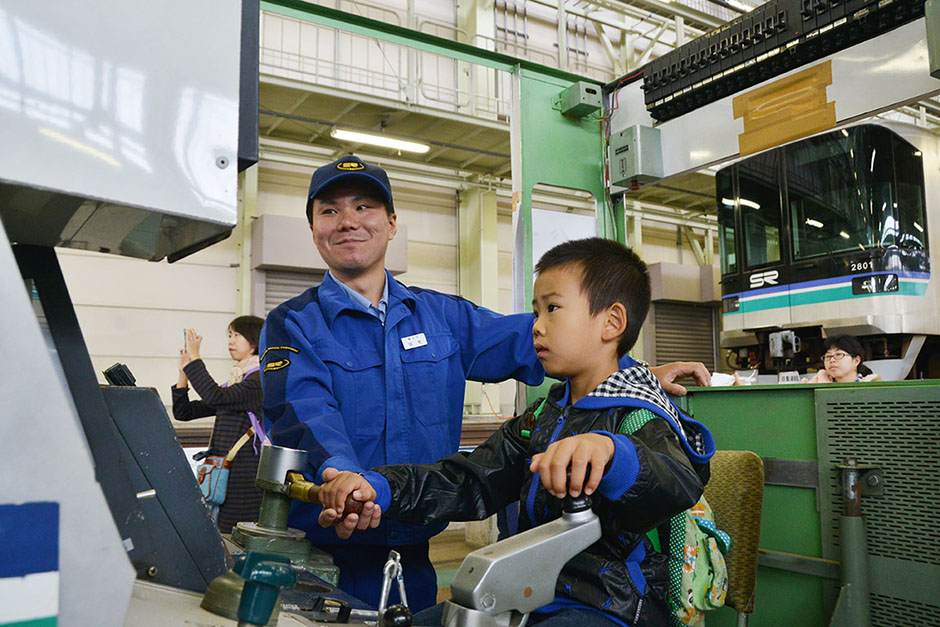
<point>242,369</point>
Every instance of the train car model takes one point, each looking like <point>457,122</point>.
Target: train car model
<point>829,235</point>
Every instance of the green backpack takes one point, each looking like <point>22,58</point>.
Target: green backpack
<point>698,577</point>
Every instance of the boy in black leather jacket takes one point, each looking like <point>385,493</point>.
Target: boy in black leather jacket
<point>615,431</point>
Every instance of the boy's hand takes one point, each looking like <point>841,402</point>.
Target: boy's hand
<point>576,453</point>
<point>339,486</point>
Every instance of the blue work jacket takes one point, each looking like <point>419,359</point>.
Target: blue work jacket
<point>357,394</point>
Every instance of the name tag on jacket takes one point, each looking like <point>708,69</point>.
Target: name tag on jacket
<point>414,341</point>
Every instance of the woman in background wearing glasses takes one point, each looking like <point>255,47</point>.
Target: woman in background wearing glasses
<point>843,362</point>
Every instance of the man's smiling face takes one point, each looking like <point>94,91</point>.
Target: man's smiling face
<point>352,228</point>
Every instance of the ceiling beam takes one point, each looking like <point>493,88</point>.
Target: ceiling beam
<point>434,154</point>
<point>649,49</point>
<point>336,118</point>
<point>290,109</point>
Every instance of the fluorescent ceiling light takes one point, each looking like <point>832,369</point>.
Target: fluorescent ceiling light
<point>815,223</point>
<point>378,140</point>
<point>843,235</point>
<point>748,203</point>
<point>918,227</point>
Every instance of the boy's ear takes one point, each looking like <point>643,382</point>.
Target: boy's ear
<point>616,323</point>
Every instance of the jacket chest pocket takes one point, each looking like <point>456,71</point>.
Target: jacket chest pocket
<point>358,387</point>
<point>429,371</point>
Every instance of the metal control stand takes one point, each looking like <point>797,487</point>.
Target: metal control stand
<point>853,607</point>
<point>499,585</point>
<point>280,482</point>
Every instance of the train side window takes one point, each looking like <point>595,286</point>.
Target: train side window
<point>759,200</point>
<point>830,192</point>
<point>909,177</point>
<point>727,244</point>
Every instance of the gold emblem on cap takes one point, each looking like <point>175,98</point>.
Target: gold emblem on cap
<point>350,165</point>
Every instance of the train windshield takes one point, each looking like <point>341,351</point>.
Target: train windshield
<point>759,205</point>
<point>851,190</point>
<point>844,192</point>
<point>727,245</point>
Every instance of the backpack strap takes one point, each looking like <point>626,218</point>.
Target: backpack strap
<point>635,421</point>
<point>675,542</point>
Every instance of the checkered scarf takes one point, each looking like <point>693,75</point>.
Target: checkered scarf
<point>640,383</point>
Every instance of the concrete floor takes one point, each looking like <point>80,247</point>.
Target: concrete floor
<point>448,549</point>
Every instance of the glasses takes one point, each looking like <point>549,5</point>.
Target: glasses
<point>835,356</point>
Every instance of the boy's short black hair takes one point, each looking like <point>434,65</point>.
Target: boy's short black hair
<point>249,327</point>
<point>610,273</point>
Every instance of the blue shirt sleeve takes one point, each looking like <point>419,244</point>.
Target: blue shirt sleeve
<point>298,398</point>
<point>495,347</point>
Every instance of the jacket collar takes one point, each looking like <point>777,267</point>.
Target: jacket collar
<point>334,300</point>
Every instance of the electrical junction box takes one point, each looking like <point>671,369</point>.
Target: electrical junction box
<point>636,156</point>
<point>581,99</point>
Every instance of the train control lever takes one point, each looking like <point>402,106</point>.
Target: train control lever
<point>501,584</point>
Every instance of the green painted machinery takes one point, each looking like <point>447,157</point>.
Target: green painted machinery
<point>804,433</point>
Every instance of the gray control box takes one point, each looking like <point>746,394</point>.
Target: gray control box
<point>636,156</point>
<point>581,99</point>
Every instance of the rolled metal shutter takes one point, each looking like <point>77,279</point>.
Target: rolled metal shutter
<point>685,332</point>
<point>281,285</point>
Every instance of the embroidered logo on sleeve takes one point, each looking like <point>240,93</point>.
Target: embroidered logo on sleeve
<point>279,348</point>
<point>277,365</point>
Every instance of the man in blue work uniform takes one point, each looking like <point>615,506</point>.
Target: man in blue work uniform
<point>362,371</point>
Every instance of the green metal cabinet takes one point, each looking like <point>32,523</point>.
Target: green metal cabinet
<point>895,426</point>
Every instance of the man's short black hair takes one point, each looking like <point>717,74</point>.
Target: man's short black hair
<point>610,273</point>
<point>372,190</point>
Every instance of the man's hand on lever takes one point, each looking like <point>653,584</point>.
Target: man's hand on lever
<point>668,373</point>
<point>339,486</point>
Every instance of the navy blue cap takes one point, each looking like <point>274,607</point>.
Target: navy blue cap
<point>348,168</point>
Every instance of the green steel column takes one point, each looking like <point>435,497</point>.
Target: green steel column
<point>551,149</point>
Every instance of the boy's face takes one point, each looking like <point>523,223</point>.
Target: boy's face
<point>567,338</point>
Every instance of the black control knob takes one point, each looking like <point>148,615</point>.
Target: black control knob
<point>574,504</point>
<point>397,616</point>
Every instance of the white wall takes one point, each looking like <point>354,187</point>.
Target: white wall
<point>659,244</point>
<point>133,311</point>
